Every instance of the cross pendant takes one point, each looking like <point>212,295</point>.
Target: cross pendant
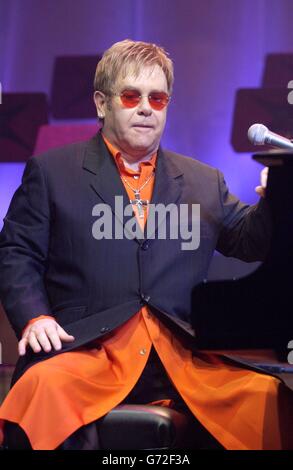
<point>140,203</point>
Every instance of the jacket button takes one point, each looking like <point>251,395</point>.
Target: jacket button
<point>142,351</point>
<point>145,298</point>
<point>104,329</point>
<point>145,246</point>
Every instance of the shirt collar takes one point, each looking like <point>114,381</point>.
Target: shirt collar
<point>119,160</point>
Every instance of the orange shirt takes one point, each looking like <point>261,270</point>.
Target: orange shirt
<point>55,397</point>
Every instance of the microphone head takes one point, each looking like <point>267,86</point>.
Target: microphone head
<point>257,133</point>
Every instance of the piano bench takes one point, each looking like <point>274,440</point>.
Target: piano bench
<point>152,427</point>
<point>143,427</point>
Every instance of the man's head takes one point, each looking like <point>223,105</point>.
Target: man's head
<point>133,83</point>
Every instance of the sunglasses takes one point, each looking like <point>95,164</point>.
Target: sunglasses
<point>130,98</point>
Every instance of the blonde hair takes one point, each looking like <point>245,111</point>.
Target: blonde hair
<point>130,55</point>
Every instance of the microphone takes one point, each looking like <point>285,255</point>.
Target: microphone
<point>258,134</point>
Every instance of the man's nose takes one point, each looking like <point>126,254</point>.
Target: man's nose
<point>144,106</point>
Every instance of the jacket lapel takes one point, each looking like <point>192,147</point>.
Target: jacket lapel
<point>167,187</point>
<point>106,181</point>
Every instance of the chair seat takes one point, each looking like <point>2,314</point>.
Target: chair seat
<point>143,427</point>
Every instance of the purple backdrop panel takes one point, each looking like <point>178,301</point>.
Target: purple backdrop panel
<point>10,179</point>
<point>72,87</point>
<point>21,115</point>
<point>53,135</point>
<point>268,106</point>
<point>278,70</point>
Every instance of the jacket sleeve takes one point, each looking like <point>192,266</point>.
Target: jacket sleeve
<point>245,230</point>
<point>24,243</point>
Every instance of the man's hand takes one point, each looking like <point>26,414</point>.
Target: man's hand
<point>43,334</point>
<point>261,190</point>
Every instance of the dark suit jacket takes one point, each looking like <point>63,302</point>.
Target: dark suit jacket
<point>50,263</point>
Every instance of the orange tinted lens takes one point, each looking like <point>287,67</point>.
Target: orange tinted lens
<point>158,100</point>
<point>130,98</point>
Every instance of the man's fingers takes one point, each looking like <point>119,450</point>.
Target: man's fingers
<point>33,342</point>
<point>63,335</point>
<point>261,191</point>
<point>53,335</point>
<point>43,340</point>
<point>43,336</point>
<point>22,346</point>
<point>264,177</point>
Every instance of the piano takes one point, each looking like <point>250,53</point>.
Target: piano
<point>250,319</point>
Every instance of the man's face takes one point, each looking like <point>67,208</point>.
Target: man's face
<point>135,131</point>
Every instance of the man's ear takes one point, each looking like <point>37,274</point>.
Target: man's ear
<point>100,102</point>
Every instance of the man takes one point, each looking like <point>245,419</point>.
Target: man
<point>99,317</point>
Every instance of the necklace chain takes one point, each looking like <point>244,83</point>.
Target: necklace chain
<point>138,202</point>
<point>138,189</point>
